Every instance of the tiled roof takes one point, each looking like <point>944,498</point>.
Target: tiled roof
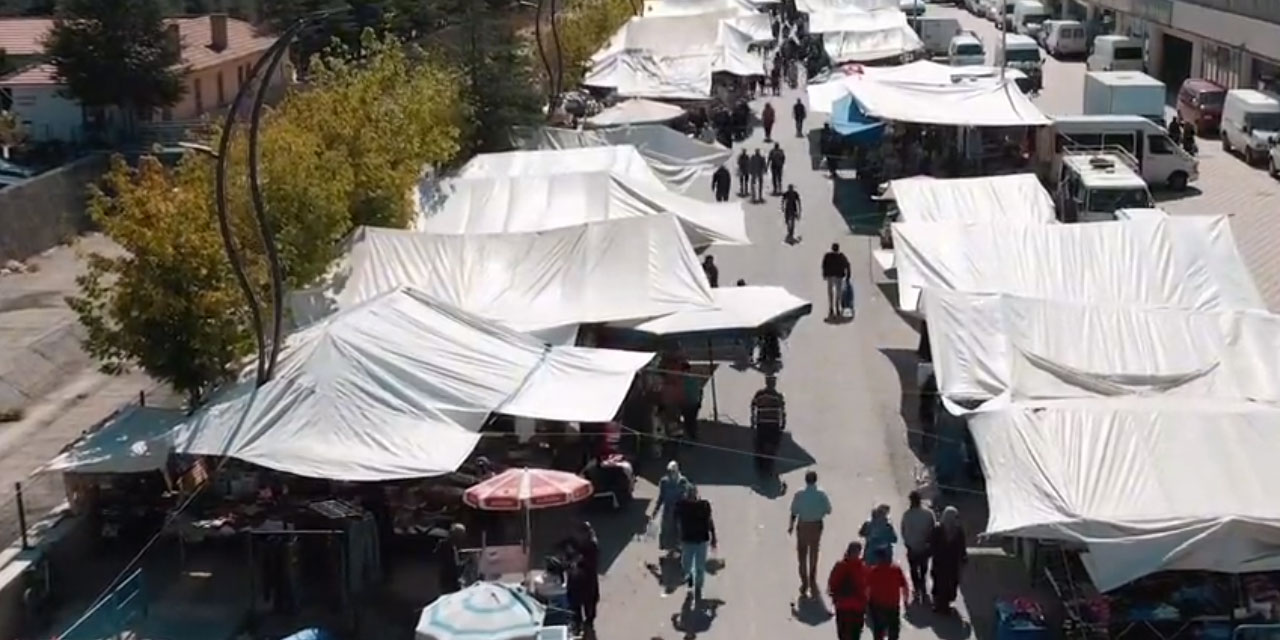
<point>23,36</point>
<point>40,74</point>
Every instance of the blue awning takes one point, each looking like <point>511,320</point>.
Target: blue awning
<point>848,120</point>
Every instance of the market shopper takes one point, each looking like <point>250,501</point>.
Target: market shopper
<point>584,578</point>
<point>711,270</point>
<point>744,173</point>
<point>697,535</point>
<point>721,183</point>
<point>791,211</point>
<point>692,401</point>
<point>878,533</point>
<point>798,113</point>
<point>847,586</point>
<point>758,167</point>
<point>949,554</point>
<point>767,118</point>
<point>916,528</point>
<point>835,271</point>
<point>886,589</point>
<point>449,559</point>
<point>768,420</point>
<point>777,160</point>
<point>671,489</point>
<point>809,507</point>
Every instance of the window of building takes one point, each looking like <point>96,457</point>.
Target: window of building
<point>1221,65</point>
<point>198,92</point>
<point>222,95</point>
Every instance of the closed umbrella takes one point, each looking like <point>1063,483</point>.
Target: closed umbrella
<point>528,489</point>
<point>483,611</point>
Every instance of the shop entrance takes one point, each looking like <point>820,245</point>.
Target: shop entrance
<point>1176,66</point>
<point>1266,75</point>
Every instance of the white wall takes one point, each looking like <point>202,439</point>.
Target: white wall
<point>1258,37</point>
<point>47,115</point>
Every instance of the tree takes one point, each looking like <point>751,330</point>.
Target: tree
<point>169,303</point>
<point>11,132</point>
<point>115,53</point>
<point>584,26</point>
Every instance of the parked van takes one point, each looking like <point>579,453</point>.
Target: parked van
<point>1200,102</point>
<point>1116,53</point>
<point>1022,53</point>
<point>975,7</point>
<point>1161,160</point>
<point>1092,187</point>
<point>966,50</point>
<point>1250,123</point>
<point>1064,38</point>
<point>1029,17</point>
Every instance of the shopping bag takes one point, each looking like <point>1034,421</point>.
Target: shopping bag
<point>651,529</point>
<point>846,295</point>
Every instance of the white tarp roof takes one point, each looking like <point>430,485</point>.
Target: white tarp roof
<point>986,346</point>
<point>621,159</point>
<point>1186,262</point>
<point>820,6</point>
<point>865,36</point>
<point>673,57</point>
<point>635,111</point>
<point>736,308</point>
<point>756,25</point>
<point>597,272</point>
<point>971,104</point>
<point>665,8</point>
<point>677,159</point>
<point>1014,199</point>
<point>1146,484</point>
<point>542,203</point>
<point>136,439</point>
<point>398,387</point>
<point>925,72</point>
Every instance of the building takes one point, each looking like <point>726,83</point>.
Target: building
<point>1235,43</point>
<point>218,54</point>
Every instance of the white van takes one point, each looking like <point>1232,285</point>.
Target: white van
<point>1092,187</point>
<point>1064,38</point>
<point>1029,16</point>
<point>1022,53</point>
<point>1250,121</point>
<point>966,50</point>
<point>1161,160</point>
<point>1116,53</point>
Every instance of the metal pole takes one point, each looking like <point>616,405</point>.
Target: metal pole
<point>1004,34</point>
<point>22,515</point>
<point>715,404</point>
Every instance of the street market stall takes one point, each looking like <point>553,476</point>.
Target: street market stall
<point>677,159</point>
<point>636,111</point>
<point>621,158</point>
<point>865,36</point>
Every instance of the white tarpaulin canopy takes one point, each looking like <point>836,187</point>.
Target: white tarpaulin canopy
<point>866,36</point>
<point>135,440</point>
<point>1148,485</point>
<point>737,308</point>
<point>635,111</point>
<point>676,158</point>
<point>757,26</point>
<point>622,159</point>
<point>546,202</point>
<point>1012,199</point>
<point>666,8</point>
<point>985,346</point>
<point>1186,262</point>
<point>398,386</point>
<point>969,104</point>
<point>597,272</point>
<point>823,94</point>
<point>821,6</point>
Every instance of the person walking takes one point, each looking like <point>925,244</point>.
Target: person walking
<point>713,272</point>
<point>583,587</point>
<point>768,420</point>
<point>777,160</point>
<point>835,270</point>
<point>886,588</point>
<point>827,144</point>
<point>721,183</point>
<point>758,166</point>
<point>1175,128</point>
<point>671,489</point>
<point>847,586</point>
<point>878,533</point>
<point>775,76</point>
<point>744,173</point>
<point>798,113</point>
<point>791,211</point>
<point>1189,137</point>
<point>917,526</point>
<point>692,401</point>
<point>767,117</point>
<point>697,531</point>
<point>949,554</point>
<point>809,506</point>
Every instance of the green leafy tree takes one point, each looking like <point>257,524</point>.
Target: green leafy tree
<point>169,303</point>
<point>115,53</point>
<point>12,133</point>
<point>584,26</point>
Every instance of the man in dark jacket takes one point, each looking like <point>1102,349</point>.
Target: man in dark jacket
<point>798,113</point>
<point>758,166</point>
<point>827,143</point>
<point>835,271</point>
<point>777,159</point>
<point>721,183</point>
<point>744,173</point>
<point>767,118</point>
<point>697,533</point>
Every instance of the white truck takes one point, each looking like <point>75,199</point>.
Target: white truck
<point>1161,160</point>
<point>1029,17</point>
<point>936,33</point>
<point>1096,183</point>
<point>1127,93</point>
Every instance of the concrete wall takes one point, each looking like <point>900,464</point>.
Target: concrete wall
<point>42,212</point>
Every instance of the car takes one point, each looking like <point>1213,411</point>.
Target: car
<point>10,170</point>
<point>1200,102</point>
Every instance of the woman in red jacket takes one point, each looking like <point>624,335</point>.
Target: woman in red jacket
<point>847,587</point>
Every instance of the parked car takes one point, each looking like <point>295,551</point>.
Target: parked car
<point>1200,102</point>
<point>1064,38</point>
<point>11,170</point>
<point>1273,159</point>
<point>1250,123</point>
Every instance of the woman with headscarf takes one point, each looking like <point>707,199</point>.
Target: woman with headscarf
<point>671,489</point>
<point>584,578</point>
<point>879,535</point>
<point>948,547</point>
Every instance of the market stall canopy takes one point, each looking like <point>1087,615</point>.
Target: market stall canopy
<point>968,104</point>
<point>997,346</point>
<point>482,611</point>
<point>1147,484</point>
<point>635,111</point>
<point>850,19</point>
<point>848,120</point>
<point>1185,262</point>
<point>134,440</point>
<point>677,159</point>
<point>1011,199</point>
<point>823,6</point>
<point>623,160</point>
<point>398,386</point>
<point>597,272</point>
<point>874,42</point>
<point>758,26</point>
<point>667,8</point>
<point>736,309</point>
<point>542,203</point>
<point>921,72</point>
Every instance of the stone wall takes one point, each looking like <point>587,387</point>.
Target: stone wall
<point>47,210</point>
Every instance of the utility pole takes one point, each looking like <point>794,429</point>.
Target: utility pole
<point>1004,35</point>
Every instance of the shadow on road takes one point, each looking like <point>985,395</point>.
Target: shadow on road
<point>904,362</point>
<point>696,617</point>
<point>616,529</point>
<point>811,611</point>
<point>724,455</point>
<point>860,213</point>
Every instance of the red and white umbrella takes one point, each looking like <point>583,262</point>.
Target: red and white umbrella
<point>526,489</point>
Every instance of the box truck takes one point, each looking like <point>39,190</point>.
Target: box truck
<point>1123,93</point>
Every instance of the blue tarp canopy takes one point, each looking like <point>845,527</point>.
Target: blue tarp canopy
<point>848,120</point>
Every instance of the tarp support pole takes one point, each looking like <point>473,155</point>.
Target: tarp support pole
<point>715,404</point>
